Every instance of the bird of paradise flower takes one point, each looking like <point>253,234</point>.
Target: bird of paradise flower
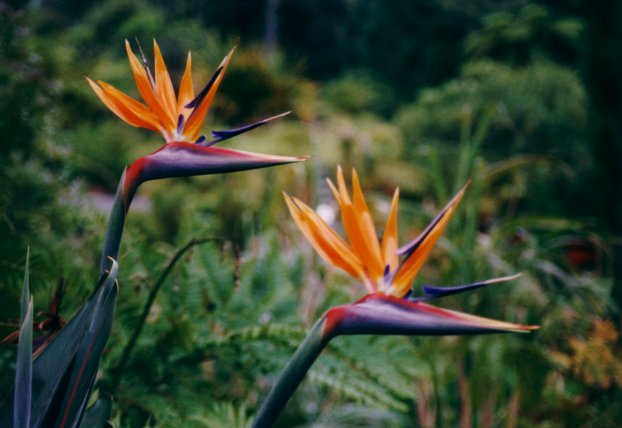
<point>387,271</point>
<point>179,119</point>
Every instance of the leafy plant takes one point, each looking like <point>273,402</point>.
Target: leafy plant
<point>63,373</point>
<point>53,390</point>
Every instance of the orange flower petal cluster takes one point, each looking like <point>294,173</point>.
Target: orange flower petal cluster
<point>178,118</point>
<point>376,263</point>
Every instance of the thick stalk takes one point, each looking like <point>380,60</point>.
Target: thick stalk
<point>292,375</point>
<point>116,222</point>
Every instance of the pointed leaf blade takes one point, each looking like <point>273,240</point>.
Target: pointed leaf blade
<point>89,354</point>
<point>52,367</point>
<point>23,374</point>
<point>98,414</point>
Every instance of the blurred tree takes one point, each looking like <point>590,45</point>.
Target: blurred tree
<point>25,89</point>
<point>388,39</point>
<point>537,109</point>
<point>531,31</point>
<point>602,70</point>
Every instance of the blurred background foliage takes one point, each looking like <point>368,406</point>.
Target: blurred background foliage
<point>523,98</point>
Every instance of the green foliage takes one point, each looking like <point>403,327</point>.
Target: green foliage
<point>357,93</point>
<point>39,206</point>
<point>537,108</point>
<point>256,88</point>
<point>513,118</point>
<point>494,372</point>
<point>26,90</point>
<point>223,415</point>
<point>531,31</point>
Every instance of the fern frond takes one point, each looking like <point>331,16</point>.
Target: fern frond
<point>222,415</point>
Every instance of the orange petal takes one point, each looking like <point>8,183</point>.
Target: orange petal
<point>186,90</point>
<point>366,224</point>
<point>389,239</point>
<point>125,107</point>
<point>411,265</point>
<point>343,189</point>
<point>332,188</point>
<point>146,90</point>
<point>329,245</point>
<point>135,107</point>
<point>195,121</point>
<point>356,219</point>
<point>164,86</point>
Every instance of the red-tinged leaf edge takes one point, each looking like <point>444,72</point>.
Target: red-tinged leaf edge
<point>87,358</point>
<point>53,366</point>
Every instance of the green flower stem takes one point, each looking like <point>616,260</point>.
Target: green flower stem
<point>116,223</point>
<point>292,375</point>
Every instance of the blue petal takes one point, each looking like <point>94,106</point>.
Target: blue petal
<point>197,100</point>
<point>229,133</point>
<point>432,292</point>
<point>387,271</point>
<point>412,246</point>
<point>180,123</point>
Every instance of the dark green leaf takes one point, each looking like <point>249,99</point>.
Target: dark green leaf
<point>98,414</point>
<point>53,369</point>
<point>23,370</point>
<point>88,355</point>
